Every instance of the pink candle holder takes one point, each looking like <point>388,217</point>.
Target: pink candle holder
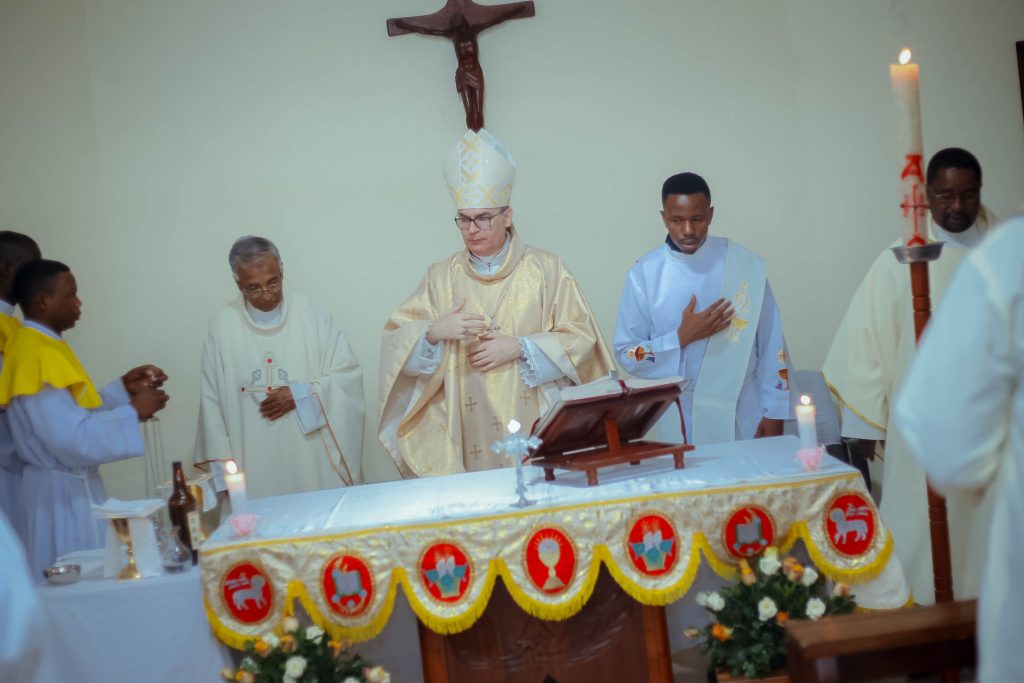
<point>810,458</point>
<point>243,525</point>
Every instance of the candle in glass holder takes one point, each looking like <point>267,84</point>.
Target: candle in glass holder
<point>805,422</point>
<point>235,481</point>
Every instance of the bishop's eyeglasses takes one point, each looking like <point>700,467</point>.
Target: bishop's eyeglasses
<point>482,222</point>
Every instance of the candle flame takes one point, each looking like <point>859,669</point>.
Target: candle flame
<point>805,400</point>
<point>513,426</point>
<point>231,467</point>
<point>905,56</point>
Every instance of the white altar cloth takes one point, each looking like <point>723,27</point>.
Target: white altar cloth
<point>489,492</point>
<point>390,534</point>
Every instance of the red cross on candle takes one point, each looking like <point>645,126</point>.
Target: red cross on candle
<point>915,206</point>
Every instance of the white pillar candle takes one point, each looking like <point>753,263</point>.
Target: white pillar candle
<point>235,481</point>
<point>805,422</point>
<point>913,199</point>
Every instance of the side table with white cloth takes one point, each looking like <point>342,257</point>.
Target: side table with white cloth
<point>108,631</point>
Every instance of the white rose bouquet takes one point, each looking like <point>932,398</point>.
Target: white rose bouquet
<point>302,655</point>
<point>747,636</point>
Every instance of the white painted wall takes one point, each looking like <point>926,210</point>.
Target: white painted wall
<point>138,138</point>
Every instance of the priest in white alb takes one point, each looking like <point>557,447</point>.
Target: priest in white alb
<point>699,307</point>
<point>869,357</point>
<point>490,334</point>
<point>281,390</point>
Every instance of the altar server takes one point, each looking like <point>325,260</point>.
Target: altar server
<point>700,307</point>
<point>63,428</point>
<point>281,389</point>
<point>490,334</point>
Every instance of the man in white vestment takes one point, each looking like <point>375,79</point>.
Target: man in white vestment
<point>15,249</point>
<point>700,307</point>
<point>281,392</point>
<point>21,614</point>
<point>961,412</point>
<point>62,427</point>
<point>872,349</point>
<point>490,335</point>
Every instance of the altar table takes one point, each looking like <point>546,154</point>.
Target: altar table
<point>343,554</point>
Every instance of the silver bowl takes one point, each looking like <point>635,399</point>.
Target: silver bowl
<point>62,574</point>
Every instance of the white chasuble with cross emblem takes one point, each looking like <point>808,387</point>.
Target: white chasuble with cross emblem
<point>305,349</point>
<point>446,422</point>
<point>864,369</point>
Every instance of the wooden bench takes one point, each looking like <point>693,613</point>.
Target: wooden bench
<point>864,647</point>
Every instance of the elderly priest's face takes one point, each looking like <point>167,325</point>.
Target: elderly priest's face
<point>261,282</point>
<point>483,230</point>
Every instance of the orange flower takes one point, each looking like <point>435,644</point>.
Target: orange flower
<point>794,571</point>
<point>287,643</point>
<point>781,618</point>
<point>721,632</point>
<point>841,590</point>
<point>261,648</point>
<point>245,677</point>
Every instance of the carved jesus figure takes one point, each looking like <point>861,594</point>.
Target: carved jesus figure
<point>461,21</point>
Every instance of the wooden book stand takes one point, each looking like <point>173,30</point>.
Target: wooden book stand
<point>586,434</point>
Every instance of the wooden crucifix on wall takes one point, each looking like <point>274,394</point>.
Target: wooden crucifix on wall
<point>460,21</point>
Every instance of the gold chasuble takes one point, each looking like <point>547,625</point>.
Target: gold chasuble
<point>34,361</point>
<point>446,422</point>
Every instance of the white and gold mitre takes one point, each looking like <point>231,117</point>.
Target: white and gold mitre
<point>480,172</point>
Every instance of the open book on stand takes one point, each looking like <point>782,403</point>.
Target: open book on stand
<point>603,423</point>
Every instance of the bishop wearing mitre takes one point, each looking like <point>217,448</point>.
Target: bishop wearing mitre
<point>491,333</point>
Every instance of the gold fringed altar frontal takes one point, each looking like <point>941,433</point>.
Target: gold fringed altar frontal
<point>548,558</point>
